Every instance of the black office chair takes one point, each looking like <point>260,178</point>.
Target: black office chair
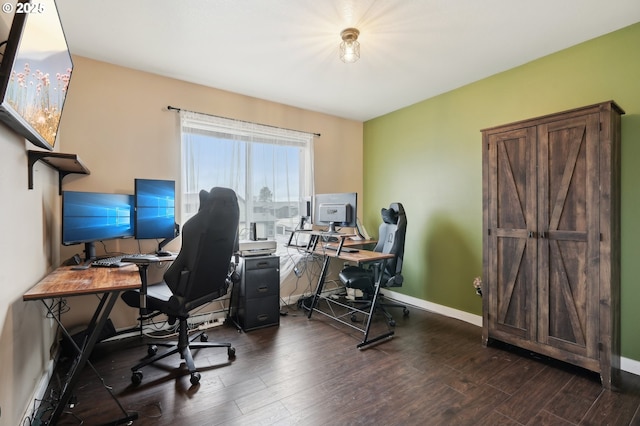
<point>391,238</point>
<point>201,272</point>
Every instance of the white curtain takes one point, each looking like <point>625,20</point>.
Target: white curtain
<point>269,168</point>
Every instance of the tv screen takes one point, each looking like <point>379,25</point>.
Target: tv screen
<point>155,209</point>
<point>93,216</point>
<point>35,72</point>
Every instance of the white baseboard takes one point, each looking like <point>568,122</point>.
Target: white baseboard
<point>434,307</point>
<point>626,364</point>
<point>630,365</point>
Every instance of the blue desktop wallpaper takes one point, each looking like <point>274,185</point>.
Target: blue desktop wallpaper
<point>155,209</point>
<point>91,216</point>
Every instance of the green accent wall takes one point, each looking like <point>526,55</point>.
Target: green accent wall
<point>428,157</point>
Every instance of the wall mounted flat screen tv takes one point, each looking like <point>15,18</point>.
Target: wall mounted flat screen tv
<point>35,72</point>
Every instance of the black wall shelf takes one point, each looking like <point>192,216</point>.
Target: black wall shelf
<point>64,163</point>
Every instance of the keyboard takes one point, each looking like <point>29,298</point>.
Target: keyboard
<point>116,261</point>
<point>344,249</point>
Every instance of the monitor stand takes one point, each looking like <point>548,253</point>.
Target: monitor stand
<point>160,251</point>
<point>161,245</point>
<point>89,256</point>
<point>332,228</point>
<point>89,251</point>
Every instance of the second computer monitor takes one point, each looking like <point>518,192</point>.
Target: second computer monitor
<point>335,210</point>
<point>155,209</point>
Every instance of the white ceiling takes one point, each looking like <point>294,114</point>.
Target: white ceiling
<point>286,51</point>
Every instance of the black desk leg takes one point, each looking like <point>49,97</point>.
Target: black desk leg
<point>376,293</point>
<point>319,288</point>
<point>100,317</point>
<point>142,269</point>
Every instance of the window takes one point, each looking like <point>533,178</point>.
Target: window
<point>269,168</point>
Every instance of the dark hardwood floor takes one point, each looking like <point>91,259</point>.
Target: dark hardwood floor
<point>308,371</point>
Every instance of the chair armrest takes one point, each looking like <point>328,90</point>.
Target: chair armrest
<point>142,259</point>
<point>177,306</point>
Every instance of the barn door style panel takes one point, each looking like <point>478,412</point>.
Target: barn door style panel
<point>513,186</point>
<point>568,207</point>
<point>551,237</point>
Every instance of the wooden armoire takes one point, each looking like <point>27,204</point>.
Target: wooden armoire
<point>551,237</point>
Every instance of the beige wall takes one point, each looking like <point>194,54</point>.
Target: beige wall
<point>27,253</point>
<point>116,120</point>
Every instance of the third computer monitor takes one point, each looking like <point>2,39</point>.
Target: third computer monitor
<point>335,210</point>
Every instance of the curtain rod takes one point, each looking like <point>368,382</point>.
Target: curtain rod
<point>170,108</point>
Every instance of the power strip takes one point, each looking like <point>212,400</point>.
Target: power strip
<point>208,325</point>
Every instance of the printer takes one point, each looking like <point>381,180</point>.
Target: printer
<point>256,248</point>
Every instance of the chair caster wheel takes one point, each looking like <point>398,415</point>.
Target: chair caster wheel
<point>195,378</point>
<point>204,337</point>
<point>231,352</point>
<point>405,312</point>
<point>392,323</point>
<point>136,377</point>
<point>354,318</point>
<point>152,350</point>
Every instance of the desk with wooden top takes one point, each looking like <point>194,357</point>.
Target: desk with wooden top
<point>64,282</point>
<point>359,257</point>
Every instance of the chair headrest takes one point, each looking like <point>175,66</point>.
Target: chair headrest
<point>389,215</point>
<point>207,198</point>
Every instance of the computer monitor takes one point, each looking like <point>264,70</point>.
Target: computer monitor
<point>88,217</point>
<point>335,210</point>
<point>155,210</point>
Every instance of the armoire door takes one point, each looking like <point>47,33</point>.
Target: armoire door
<point>512,222</point>
<point>568,231</point>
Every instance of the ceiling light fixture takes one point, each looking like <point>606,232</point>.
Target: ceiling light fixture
<point>350,47</point>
